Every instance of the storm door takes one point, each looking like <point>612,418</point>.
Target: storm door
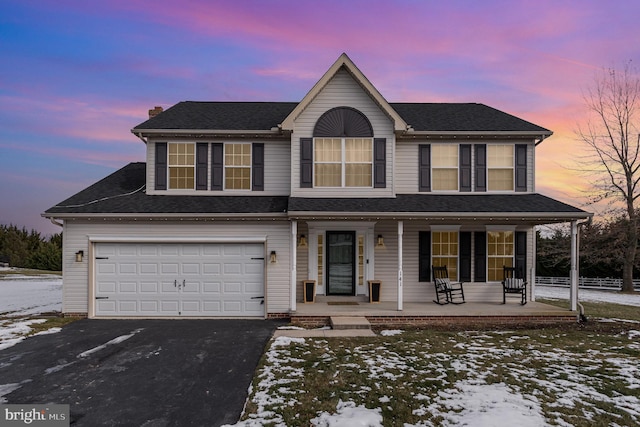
<point>341,259</point>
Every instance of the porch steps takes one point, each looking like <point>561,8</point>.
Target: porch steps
<point>349,322</point>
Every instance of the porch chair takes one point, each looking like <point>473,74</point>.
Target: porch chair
<point>512,284</point>
<point>446,287</point>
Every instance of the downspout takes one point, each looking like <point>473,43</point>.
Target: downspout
<point>54,222</point>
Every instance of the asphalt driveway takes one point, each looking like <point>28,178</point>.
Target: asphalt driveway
<point>139,372</point>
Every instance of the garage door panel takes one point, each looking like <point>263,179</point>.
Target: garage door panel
<point>191,269</point>
<point>149,287</point>
<point>106,287</point>
<point>179,279</point>
<point>149,307</point>
<point>170,268</point>
<point>232,268</point>
<point>128,287</point>
<point>211,288</point>
<point>107,268</point>
<point>148,268</point>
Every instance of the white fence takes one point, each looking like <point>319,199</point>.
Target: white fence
<point>586,283</point>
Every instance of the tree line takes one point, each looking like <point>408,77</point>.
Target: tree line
<point>29,249</point>
<point>603,245</point>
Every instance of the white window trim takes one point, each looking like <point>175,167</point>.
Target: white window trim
<point>343,162</point>
<point>513,168</point>
<point>457,168</point>
<point>224,167</point>
<point>169,166</point>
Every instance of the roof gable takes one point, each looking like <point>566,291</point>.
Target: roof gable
<point>344,62</point>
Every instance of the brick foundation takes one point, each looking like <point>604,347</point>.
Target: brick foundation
<point>445,321</point>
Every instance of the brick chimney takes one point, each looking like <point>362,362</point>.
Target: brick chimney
<point>155,111</point>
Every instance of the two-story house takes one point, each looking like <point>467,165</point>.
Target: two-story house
<point>239,202</point>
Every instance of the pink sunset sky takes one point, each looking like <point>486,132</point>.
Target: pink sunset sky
<point>76,76</point>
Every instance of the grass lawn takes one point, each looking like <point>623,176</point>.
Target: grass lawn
<point>574,375</point>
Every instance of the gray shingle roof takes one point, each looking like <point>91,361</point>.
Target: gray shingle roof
<point>438,203</point>
<point>426,117</point>
<point>123,193</point>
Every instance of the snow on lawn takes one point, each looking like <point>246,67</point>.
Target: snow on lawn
<point>26,296</point>
<point>555,292</point>
<point>482,379</point>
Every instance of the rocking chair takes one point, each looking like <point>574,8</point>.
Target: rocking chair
<point>513,285</point>
<point>446,287</point>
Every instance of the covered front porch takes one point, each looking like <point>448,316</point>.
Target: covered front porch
<point>469,314</point>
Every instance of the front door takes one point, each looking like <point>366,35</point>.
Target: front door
<point>341,258</point>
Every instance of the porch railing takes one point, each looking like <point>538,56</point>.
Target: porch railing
<point>608,284</point>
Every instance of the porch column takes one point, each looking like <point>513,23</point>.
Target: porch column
<point>294,261</point>
<point>532,278</point>
<point>400,290</point>
<point>573,274</point>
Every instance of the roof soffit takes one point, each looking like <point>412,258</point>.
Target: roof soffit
<point>345,62</point>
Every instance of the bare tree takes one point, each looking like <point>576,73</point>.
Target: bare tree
<point>611,134</point>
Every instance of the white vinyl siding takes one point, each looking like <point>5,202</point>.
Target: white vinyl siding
<point>277,158</point>
<point>77,280</point>
<point>406,166</point>
<point>341,90</point>
<point>415,291</point>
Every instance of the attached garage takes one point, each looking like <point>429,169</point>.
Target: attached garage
<point>147,279</point>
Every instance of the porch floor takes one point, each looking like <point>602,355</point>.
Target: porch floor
<point>414,313</point>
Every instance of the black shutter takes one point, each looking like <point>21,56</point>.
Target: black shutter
<point>217,166</point>
<point>202,152</point>
<point>424,167</point>
<point>465,256</point>
<point>521,254</point>
<point>521,167</point>
<point>161,165</point>
<point>380,163</point>
<point>257,167</point>
<point>306,162</point>
<point>465,167</point>
<point>480,257</point>
<point>481,167</point>
<point>424,256</point>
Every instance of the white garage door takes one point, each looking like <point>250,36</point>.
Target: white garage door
<point>158,280</point>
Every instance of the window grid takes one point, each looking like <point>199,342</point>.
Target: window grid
<point>360,260</point>
<point>181,163</point>
<point>500,252</point>
<point>343,162</point>
<point>444,167</point>
<point>237,166</point>
<point>444,251</point>
<point>320,260</point>
<point>500,167</point>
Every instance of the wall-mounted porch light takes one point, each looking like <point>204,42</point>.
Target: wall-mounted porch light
<point>380,242</point>
<point>302,242</point>
<point>273,258</point>
<point>79,256</point>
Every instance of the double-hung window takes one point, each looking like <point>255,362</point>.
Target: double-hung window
<point>444,167</point>
<point>444,251</point>
<point>343,162</point>
<point>237,166</point>
<point>182,164</point>
<point>500,167</point>
<point>500,253</point>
